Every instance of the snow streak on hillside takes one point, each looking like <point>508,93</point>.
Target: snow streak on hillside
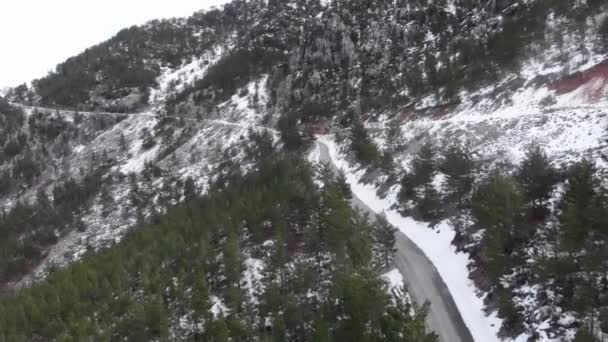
<point>197,149</point>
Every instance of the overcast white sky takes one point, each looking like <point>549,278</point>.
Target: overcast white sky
<point>36,35</point>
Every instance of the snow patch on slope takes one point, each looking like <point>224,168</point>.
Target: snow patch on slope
<point>253,278</point>
<point>396,284</point>
<point>175,80</point>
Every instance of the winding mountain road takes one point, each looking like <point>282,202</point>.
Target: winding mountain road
<point>422,279</point>
<point>150,115</point>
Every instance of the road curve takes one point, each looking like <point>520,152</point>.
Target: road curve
<point>148,115</point>
<point>421,277</point>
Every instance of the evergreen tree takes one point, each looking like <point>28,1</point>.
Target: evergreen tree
<point>417,186</point>
<point>577,217</point>
<point>292,137</point>
<point>407,192</point>
<point>384,239</point>
<point>335,220</point>
<point>537,177</point>
<point>190,191</point>
<point>107,201</point>
<point>156,318</point>
<point>219,331</point>
<point>321,330</point>
<point>387,162</point>
<point>423,165</point>
<point>583,335</point>
<point>325,172</point>
<point>362,145</point>
<point>360,243</point>
<point>168,270</point>
<point>458,167</point>
<point>496,207</point>
<point>428,206</point>
<point>232,271</point>
<point>200,299</point>
<point>343,185</point>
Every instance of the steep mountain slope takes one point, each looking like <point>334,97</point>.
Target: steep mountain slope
<point>494,76</point>
<point>242,263</point>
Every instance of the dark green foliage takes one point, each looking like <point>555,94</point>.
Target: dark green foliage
<point>575,269</point>
<point>224,78</point>
<point>537,177</point>
<point>417,186</point>
<point>584,335</point>
<point>387,162</point>
<point>423,165</point>
<point>458,168</point>
<point>27,230</point>
<point>497,207</point>
<point>512,317</point>
<point>384,240</point>
<point>228,74</point>
<point>190,191</point>
<point>362,145</point>
<point>121,63</point>
<point>428,205</point>
<point>140,288</point>
<point>579,213</point>
<point>335,219</point>
<point>293,135</point>
<point>343,185</point>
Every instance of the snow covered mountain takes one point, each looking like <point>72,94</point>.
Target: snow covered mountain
<point>134,125</point>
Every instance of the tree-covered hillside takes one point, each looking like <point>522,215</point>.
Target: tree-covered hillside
<point>188,275</point>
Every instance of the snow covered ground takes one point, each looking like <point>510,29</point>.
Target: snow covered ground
<point>435,243</point>
<point>569,126</point>
<point>394,279</point>
<point>195,149</point>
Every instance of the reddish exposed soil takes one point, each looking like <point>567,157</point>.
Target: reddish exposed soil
<point>574,81</point>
